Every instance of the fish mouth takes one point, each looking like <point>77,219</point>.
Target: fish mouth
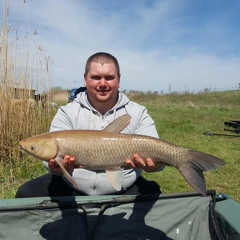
<point>21,147</point>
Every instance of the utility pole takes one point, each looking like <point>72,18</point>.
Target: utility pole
<point>170,88</point>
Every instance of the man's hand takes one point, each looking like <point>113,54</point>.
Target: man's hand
<point>137,162</point>
<point>68,163</point>
<point>147,165</point>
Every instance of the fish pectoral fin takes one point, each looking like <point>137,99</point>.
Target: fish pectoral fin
<point>115,177</point>
<point>118,124</point>
<point>66,173</point>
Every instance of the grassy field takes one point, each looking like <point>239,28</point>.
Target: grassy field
<point>180,119</point>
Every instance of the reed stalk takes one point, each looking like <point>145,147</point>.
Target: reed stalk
<point>25,71</point>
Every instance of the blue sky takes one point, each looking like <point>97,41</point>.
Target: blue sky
<point>190,45</point>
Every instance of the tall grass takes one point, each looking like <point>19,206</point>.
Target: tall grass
<point>60,97</point>
<point>24,72</point>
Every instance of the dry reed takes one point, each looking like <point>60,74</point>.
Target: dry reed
<point>23,74</point>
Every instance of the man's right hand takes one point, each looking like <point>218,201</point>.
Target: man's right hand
<point>68,163</point>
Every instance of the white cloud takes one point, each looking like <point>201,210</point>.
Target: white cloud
<point>156,42</point>
<point>192,73</point>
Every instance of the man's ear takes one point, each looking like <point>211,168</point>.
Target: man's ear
<point>85,79</point>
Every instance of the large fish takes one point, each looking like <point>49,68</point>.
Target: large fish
<point>108,150</point>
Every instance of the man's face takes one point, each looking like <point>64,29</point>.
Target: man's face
<point>102,82</point>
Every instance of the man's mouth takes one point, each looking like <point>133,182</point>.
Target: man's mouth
<point>103,91</point>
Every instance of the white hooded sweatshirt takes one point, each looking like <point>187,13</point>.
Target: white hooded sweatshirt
<point>80,114</point>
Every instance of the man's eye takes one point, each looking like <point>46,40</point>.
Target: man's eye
<point>96,78</point>
<point>109,78</point>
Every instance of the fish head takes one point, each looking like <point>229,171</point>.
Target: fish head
<point>40,147</point>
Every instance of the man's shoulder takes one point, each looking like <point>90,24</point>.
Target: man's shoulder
<point>69,106</point>
<point>135,106</point>
<point>129,102</point>
<point>70,109</point>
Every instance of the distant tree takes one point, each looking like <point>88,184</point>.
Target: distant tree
<point>207,90</point>
<point>55,90</point>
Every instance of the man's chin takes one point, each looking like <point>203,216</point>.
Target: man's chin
<point>102,98</point>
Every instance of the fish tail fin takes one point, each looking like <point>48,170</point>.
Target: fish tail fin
<point>193,171</point>
<point>66,174</point>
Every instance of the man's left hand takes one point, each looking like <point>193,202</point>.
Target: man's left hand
<point>146,164</point>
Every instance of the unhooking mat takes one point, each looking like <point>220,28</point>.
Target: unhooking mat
<point>170,216</point>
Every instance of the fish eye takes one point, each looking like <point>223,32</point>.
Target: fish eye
<point>33,147</point>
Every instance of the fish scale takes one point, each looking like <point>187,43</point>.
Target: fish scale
<point>115,148</point>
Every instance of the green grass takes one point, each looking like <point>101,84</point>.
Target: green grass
<point>184,126</point>
<point>180,119</point>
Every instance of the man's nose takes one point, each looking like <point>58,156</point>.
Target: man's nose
<point>102,81</point>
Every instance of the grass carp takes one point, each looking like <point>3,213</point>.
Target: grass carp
<point>108,150</point>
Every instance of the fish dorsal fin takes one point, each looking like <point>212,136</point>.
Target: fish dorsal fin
<point>118,124</point>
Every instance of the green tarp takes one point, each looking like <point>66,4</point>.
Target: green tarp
<point>178,216</point>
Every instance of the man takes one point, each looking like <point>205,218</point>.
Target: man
<point>94,109</point>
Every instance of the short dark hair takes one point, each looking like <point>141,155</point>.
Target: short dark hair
<point>102,57</point>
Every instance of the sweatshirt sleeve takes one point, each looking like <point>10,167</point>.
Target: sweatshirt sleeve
<point>61,120</point>
<point>141,122</point>
<point>144,125</point>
